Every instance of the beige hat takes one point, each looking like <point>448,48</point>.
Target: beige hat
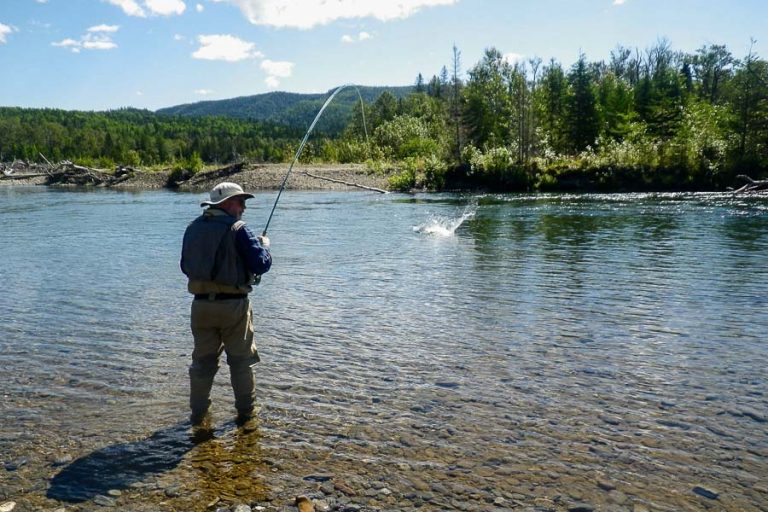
<point>224,191</point>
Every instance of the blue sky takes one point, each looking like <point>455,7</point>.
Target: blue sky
<point>106,54</point>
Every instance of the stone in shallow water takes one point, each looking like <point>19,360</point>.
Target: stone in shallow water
<point>581,507</point>
<point>707,493</point>
<point>319,477</point>
<point>104,501</point>
<point>16,464</point>
<point>605,485</point>
<point>61,460</point>
<point>753,414</point>
<point>304,504</point>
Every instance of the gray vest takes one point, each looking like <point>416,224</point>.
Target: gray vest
<point>209,252</point>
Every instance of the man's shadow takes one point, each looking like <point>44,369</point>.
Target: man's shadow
<point>120,465</point>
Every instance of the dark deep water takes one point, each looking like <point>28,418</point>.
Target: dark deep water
<point>553,350</point>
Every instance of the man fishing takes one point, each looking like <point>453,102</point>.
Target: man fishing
<point>221,257</point>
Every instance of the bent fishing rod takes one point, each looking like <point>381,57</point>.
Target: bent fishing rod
<point>303,143</point>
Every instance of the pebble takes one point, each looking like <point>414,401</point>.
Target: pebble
<point>242,508</point>
<point>344,488</point>
<point>605,485</point>
<point>114,493</point>
<point>581,507</point>
<point>611,420</point>
<point>304,504</point>
<point>7,506</point>
<point>322,506</point>
<point>755,415</point>
<point>707,493</point>
<point>62,460</point>
<point>16,464</point>
<point>104,501</point>
<point>319,477</point>
<point>173,491</point>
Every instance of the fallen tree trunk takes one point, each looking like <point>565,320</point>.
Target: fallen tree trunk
<point>349,184</point>
<point>752,185</point>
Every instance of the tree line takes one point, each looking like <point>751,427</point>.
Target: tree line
<point>138,138</point>
<point>656,119</point>
<point>653,119</point>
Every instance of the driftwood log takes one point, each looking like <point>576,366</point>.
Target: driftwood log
<point>751,185</point>
<point>348,183</point>
<point>65,173</point>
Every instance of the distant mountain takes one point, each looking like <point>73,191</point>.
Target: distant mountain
<point>292,109</point>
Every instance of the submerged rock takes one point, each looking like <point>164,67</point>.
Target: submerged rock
<point>304,504</point>
<point>707,493</point>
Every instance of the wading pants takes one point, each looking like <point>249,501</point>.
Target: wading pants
<point>222,325</point>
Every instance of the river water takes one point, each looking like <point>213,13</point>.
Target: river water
<point>430,352</point>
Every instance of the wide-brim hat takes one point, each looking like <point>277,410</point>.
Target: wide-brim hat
<point>224,191</point>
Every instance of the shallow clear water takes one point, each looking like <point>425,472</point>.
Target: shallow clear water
<point>549,350</point>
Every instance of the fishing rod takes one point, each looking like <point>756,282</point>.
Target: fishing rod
<point>303,143</point>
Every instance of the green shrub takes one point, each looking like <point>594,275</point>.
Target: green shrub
<point>403,181</point>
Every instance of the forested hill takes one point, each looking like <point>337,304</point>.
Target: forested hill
<point>291,109</point>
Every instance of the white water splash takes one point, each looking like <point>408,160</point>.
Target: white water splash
<point>438,225</point>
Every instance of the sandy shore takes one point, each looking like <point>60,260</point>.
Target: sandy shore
<point>250,176</point>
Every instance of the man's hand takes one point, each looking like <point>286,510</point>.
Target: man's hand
<point>264,241</point>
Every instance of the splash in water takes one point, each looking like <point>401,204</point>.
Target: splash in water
<point>445,226</point>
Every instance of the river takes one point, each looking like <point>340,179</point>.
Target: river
<point>430,352</point>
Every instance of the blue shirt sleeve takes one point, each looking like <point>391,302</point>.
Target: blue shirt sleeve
<point>256,257</point>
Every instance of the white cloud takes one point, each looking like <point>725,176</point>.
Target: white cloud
<point>165,7</point>
<point>178,37</point>
<point>203,92</point>
<point>96,38</point>
<point>129,7</point>
<point>199,8</point>
<point>362,36</point>
<point>308,13</point>
<point>618,2</point>
<point>97,42</point>
<point>66,43</point>
<point>42,1</point>
<point>282,69</point>
<point>104,28</point>
<point>275,71</point>
<point>154,7</point>
<point>513,58</point>
<point>4,31</point>
<point>225,47</point>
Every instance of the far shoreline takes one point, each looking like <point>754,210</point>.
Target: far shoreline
<point>249,176</point>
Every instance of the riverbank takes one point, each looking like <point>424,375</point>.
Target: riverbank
<point>250,176</point>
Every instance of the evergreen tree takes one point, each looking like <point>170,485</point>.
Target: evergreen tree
<point>487,104</point>
<point>581,110</point>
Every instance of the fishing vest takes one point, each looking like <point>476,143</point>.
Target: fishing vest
<point>209,252</point>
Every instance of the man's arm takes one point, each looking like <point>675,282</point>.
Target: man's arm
<point>256,256</point>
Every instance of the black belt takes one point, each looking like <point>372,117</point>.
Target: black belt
<point>220,296</point>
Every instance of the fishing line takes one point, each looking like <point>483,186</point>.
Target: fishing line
<point>304,141</point>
